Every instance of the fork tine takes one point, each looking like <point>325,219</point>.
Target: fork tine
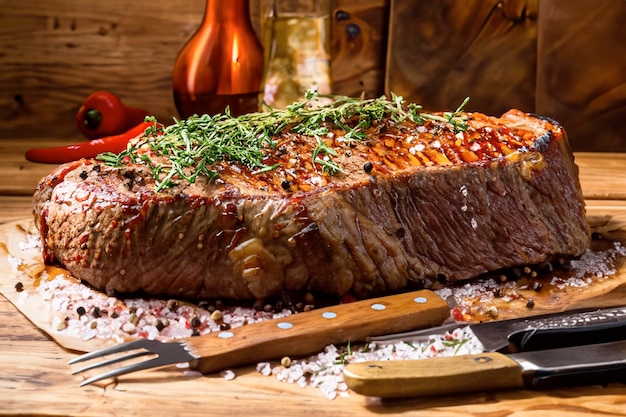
<point>166,354</point>
<point>123,347</point>
<point>152,363</point>
<point>111,361</point>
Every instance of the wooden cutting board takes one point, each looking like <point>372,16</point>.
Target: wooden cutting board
<point>475,299</point>
<point>36,379</point>
<point>36,368</point>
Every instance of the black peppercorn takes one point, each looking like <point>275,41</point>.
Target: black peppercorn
<point>80,311</point>
<point>368,167</point>
<point>159,325</point>
<point>19,287</point>
<point>286,185</point>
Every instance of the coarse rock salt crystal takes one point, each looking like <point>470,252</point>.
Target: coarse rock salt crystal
<point>58,323</point>
<point>227,374</point>
<point>89,334</point>
<point>32,242</point>
<point>14,262</point>
<point>324,371</point>
<point>328,387</point>
<point>301,382</point>
<point>417,148</point>
<point>129,327</point>
<point>152,331</point>
<point>264,368</point>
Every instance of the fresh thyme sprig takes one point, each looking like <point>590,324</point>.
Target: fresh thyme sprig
<point>328,165</point>
<point>194,145</point>
<point>455,118</point>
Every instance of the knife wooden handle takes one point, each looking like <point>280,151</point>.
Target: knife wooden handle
<point>436,376</point>
<point>309,332</point>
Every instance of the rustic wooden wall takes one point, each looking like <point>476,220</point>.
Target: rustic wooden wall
<point>444,51</point>
<point>582,77</point>
<point>56,52</point>
<point>562,58</point>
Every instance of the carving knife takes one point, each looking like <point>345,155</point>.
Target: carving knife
<point>547,331</point>
<point>599,363</point>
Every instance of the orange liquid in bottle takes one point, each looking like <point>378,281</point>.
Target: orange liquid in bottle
<point>221,65</point>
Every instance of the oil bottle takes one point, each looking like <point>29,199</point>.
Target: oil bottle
<point>297,51</point>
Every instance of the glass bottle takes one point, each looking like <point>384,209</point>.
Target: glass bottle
<point>222,63</point>
<point>297,51</point>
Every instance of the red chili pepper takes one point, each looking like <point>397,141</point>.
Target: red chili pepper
<point>88,149</point>
<point>103,114</point>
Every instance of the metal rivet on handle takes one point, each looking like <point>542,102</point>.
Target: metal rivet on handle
<point>378,306</point>
<point>329,315</point>
<point>225,335</point>
<point>285,325</point>
<point>420,300</point>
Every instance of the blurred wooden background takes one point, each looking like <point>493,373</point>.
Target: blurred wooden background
<point>562,58</point>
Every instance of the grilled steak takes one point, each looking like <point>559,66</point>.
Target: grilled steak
<point>451,195</point>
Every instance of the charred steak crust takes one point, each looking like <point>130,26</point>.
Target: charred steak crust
<point>412,203</point>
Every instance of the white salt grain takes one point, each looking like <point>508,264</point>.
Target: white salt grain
<point>324,370</point>
<point>264,368</point>
<point>227,374</point>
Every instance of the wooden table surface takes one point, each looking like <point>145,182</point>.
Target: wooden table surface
<point>35,377</point>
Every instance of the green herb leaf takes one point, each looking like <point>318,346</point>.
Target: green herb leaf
<point>191,147</point>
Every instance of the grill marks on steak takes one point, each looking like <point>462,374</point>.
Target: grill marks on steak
<point>436,203</point>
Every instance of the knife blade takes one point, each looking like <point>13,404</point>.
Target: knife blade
<point>546,331</point>
<point>600,363</point>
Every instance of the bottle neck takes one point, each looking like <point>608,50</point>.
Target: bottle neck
<point>218,11</point>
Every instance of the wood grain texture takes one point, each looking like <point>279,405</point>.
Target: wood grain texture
<point>17,175</point>
<point>311,333</point>
<point>53,54</point>
<point>418,378</point>
<point>582,70</point>
<point>559,58</point>
<point>359,46</point>
<point>441,52</point>
<point>602,175</point>
<point>36,380</point>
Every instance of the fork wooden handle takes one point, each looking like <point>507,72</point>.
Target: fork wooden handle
<point>309,332</point>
